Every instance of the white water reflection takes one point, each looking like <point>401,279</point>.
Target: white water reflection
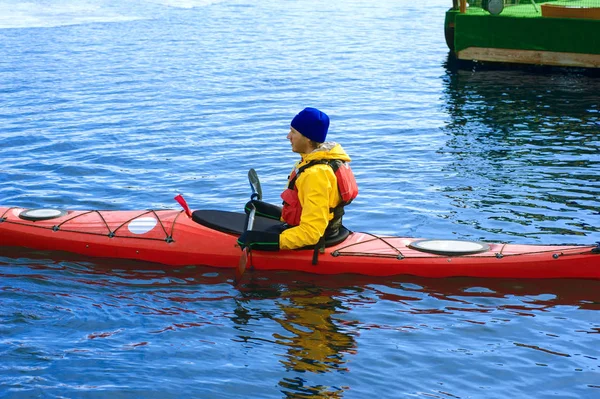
<point>47,14</point>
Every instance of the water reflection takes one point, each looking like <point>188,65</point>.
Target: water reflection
<point>316,344</point>
<point>171,300</point>
<point>534,293</point>
<point>312,335</point>
<point>322,316</point>
<point>523,153</point>
<point>296,388</point>
<point>308,301</point>
<point>314,326</point>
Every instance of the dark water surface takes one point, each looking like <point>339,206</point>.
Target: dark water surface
<point>121,105</point>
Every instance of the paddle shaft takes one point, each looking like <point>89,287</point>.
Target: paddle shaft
<point>251,216</point>
<point>239,272</point>
<point>256,195</point>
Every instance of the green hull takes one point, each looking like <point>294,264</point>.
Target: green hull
<point>520,33</point>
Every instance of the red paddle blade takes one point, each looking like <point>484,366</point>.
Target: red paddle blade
<point>239,272</point>
<point>179,198</point>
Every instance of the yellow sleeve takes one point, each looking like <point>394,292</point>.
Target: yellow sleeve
<point>314,191</point>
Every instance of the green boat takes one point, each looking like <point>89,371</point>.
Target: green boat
<point>562,33</point>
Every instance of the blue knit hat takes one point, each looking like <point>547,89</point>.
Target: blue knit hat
<point>312,123</point>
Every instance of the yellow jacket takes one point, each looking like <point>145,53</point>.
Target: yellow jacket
<point>318,193</point>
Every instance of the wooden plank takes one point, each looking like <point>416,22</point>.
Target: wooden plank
<point>530,57</point>
<point>564,11</point>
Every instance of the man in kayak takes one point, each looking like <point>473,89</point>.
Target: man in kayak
<point>319,187</point>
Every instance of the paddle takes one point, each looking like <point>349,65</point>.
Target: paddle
<point>254,185</point>
<point>239,272</point>
<point>256,195</point>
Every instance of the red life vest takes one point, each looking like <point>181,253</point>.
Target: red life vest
<point>348,189</point>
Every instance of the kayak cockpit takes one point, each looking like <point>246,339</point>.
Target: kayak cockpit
<point>235,223</point>
<point>229,222</point>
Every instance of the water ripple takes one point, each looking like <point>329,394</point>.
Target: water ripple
<point>121,105</point>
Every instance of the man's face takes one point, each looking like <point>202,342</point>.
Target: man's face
<point>300,144</point>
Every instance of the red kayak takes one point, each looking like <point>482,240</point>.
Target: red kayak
<point>208,237</point>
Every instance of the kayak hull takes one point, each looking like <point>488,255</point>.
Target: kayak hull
<point>172,238</point>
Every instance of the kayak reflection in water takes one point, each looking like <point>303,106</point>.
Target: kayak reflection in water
<point>316,339</point>
<point>319,187</point>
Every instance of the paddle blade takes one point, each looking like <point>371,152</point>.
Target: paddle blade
<point>179,198</point>
<point>239,272</point>
<point>255,185</point>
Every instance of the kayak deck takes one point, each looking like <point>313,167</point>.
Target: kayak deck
<point>172,238</point>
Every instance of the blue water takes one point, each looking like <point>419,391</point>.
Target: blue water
<point>109,104</point>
